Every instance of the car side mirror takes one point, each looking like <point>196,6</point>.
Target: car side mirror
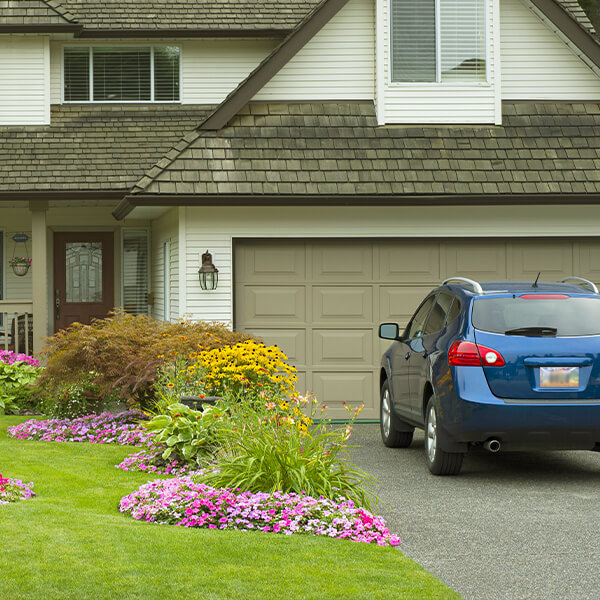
<point>389,331</point>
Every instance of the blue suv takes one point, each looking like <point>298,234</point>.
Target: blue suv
<point>506,365</point>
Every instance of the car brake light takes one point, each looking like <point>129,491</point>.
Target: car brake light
<point>469,354</point>
<point>543,297</point>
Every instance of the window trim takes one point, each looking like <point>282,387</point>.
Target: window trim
<point>458,85</point>
<point>91,47</point>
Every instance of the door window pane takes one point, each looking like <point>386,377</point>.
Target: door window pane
<point>416,326</point>
<point>83,269</point>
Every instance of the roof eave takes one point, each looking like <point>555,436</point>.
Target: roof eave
<point>42,28</point>
<point>132,201</point>
<point>182,33</point>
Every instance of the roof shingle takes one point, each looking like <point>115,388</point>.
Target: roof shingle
<point>34,12</point>
<point>287,149</point>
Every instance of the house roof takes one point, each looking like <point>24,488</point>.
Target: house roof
<point>34,13</point>
<point>91,147</point>
<point>337,149</point>
<point>222,15</point>
<point>575,10</point>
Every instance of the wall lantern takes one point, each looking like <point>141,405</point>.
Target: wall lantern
<point>208,273</point>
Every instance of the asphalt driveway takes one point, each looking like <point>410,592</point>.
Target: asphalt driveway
<point>510,526</point>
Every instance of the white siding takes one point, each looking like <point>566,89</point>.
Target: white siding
<point>24,88</point>
<point>537,63</point>
<point>164,229</point>
<point>216,228</point>
<point>435,103</point>
<point>212,68</point>
<point>338,63</point>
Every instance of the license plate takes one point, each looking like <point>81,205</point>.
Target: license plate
<point>559,377</point>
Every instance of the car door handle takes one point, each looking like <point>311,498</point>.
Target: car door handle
<point>425,354</point>
<point>407,355</point>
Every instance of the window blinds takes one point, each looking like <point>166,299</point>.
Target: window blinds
<point>121,74</point>
<point>462,40</point>
<point>135,271</point>
<point>413,40</point>
<point>438,41</point>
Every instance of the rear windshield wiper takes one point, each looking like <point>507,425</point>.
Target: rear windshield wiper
<point>533,331</point>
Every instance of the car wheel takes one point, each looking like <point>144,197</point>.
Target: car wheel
<point>390,424</point>
<point>439,462</point>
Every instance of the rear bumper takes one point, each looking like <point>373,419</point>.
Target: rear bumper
<point>473,414</point>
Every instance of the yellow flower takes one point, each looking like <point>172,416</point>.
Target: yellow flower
<point>170,385</point>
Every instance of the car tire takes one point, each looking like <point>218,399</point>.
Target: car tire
<point>389,424</point>
<point>439,462</point>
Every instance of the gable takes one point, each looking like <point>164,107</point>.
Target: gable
<point>537,62</point>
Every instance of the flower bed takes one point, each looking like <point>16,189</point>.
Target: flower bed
<point>9,357</point>
<point>14,490</point>
<point>186,503</point>
<point>96,429</point>
<point>151,461</point>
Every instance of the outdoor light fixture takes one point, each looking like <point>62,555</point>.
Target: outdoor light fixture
<point>208,273</point>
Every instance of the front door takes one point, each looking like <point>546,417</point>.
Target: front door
<point>83,277</point>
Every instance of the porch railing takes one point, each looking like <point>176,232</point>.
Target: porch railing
<point>16,325</point>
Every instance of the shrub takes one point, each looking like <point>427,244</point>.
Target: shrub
<point>14,490</point>
<point>186,503</point>
<point>124,352</point>
<point>18,373</point>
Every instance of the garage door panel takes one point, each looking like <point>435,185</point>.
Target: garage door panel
<point>347,262</point>
<point>353,388</point>
<point>588,259</point>
<point>553,258</point>
<point>398,304</point>
<point>482,261</point>
<point>270,262</point>
<point>291,341</point>
<point>406,262</point>
<point>342,347</point>
<point>343,304</point>
<point>281,304</point>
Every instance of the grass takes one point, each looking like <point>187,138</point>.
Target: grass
<point>70,542</point>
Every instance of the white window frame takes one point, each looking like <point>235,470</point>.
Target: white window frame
<point>438,65</point>
<point>91,71</point>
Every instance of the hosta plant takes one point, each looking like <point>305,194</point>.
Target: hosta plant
<point>16,380</point>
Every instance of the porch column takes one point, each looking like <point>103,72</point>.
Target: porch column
<point>39,272</point>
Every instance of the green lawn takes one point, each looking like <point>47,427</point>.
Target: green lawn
<point>70,542</point>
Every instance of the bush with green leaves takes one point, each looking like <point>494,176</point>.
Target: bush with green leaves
<point>16,381</point>
<point>189,435</point>
<point>124,352</point>
<point>272,450</point>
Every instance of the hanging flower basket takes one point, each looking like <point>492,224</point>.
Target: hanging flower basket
<point>20,266</point>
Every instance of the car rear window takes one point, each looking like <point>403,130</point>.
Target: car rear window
<point>569,316</point>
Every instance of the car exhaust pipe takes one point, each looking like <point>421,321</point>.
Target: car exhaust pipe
<point>492,445</point>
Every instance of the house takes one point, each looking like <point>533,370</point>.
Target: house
<point>337,158</point>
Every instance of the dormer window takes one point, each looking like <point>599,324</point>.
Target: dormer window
<point>438,41</point>
<point>121,74</point>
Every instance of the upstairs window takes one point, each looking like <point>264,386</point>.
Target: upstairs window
<point>438,41</point>
<point>121,74</point>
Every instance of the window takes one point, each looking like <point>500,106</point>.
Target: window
<point>135,271</point>
<point>415,327</point>
<point>167,280</point>
<point>121,74</point>
<point>438,41</point>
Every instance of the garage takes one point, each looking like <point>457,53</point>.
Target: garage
<point>321,300</point>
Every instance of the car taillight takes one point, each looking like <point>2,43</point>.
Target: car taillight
<point>469,354</point>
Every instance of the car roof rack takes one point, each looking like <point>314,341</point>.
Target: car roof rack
<point>581,281</point>
<point>466,282</point>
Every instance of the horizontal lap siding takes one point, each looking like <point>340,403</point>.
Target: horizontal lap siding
<point>337,63</point>
<point>24,88</point>
<point>537,63</point>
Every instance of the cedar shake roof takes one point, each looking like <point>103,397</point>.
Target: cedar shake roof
<point>34,12</point>
<point>338,149</point>
<point>221,15</point>
<point>574,9</point>
<point>91,147</point>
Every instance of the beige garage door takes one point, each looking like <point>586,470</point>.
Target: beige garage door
<point>322,301</point>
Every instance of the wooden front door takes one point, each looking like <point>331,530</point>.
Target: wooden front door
<point>83,277</point>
